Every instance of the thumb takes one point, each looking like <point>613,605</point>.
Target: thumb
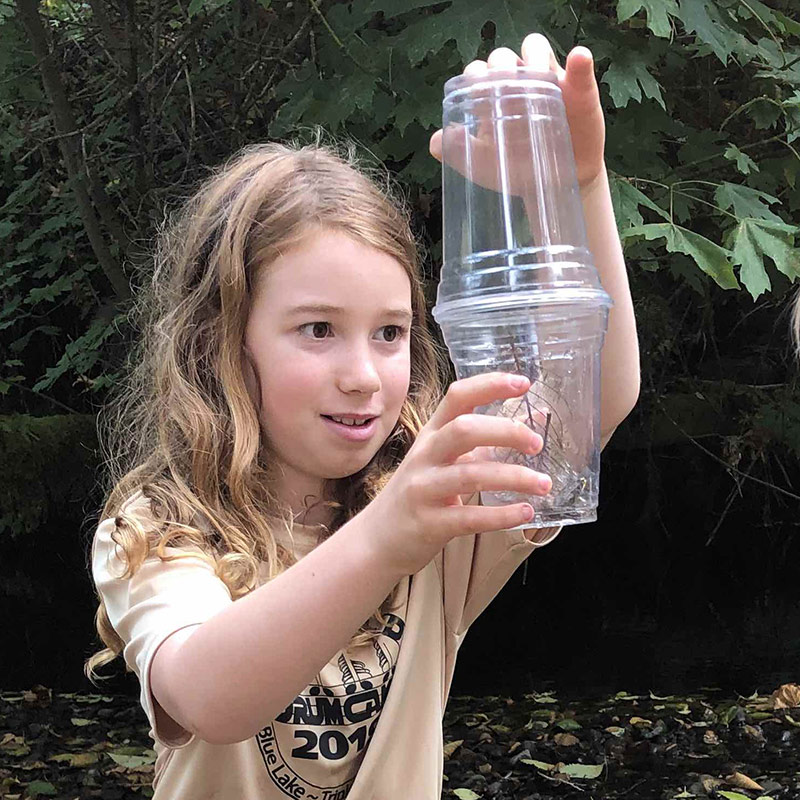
<point>579,82</point>
<point>581,64</point>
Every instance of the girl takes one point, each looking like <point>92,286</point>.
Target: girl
<point>290,471</point>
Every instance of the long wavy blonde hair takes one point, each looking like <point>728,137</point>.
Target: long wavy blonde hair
<point>184,430</point>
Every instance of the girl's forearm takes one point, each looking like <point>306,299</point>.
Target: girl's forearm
<point>241,668</point>
<point>620,357</point>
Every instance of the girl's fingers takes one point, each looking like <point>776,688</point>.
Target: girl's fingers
<point>468,431</point>
<point>503,58</point>
<point>538,54</point>
<point>584,115</point>
<point>465,395</point>
<point>485,476</point>
<point>579,83</point>
<point>467,520</point>
<point>476,68</point>
<point>435,145</point>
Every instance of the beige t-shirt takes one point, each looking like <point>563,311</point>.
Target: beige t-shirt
<point>370,725</point>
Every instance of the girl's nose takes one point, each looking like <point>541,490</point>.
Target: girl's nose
<point>358,372</point>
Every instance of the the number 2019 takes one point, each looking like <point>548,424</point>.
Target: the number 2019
<point>332,745</point>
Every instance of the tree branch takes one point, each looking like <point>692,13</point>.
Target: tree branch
<point>69,143</point>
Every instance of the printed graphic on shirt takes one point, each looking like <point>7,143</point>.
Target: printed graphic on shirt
<point>313,749</point>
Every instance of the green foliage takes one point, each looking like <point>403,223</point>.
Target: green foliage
<point>702,99</point>
<point>712,153</point>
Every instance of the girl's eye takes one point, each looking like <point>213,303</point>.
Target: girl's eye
<point>392,333</point>
<point>316,330</point>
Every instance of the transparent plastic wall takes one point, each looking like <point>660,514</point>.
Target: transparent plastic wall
<point>512,209</point>
<point>518,290</point>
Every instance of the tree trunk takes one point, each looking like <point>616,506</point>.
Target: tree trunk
<point>69,142</point>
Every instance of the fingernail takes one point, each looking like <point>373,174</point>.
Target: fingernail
<point>545,484</point>
<point>527,512</point>
<point>536,444</point>
<point>519,381</point>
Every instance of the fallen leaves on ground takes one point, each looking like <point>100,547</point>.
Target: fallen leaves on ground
<point>538,747</point>
<point>648,747</point>
<point>786,696</point>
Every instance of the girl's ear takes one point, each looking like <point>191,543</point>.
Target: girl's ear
<point>251,381</point>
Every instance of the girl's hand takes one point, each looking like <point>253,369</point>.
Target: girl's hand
<point>581,99</point>
<point>420,508</point>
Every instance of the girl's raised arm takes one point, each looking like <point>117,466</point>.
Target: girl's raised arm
<point>225,678</point>
<point>620,381</point>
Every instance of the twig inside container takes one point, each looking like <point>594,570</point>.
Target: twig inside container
<point>544,437</point>
<point>519,369</point>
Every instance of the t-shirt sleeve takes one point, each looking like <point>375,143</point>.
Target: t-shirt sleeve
<point>475,568</point>
<point>161,598</point>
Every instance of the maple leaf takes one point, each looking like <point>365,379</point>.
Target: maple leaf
<point>744,163</point>
<point>462,22</point>
<point>753,239</point>
<point>745,202</point>
<point>627,77</point>
<point>658,13</point>
<point>710,257</point>
<point>702,17</point>
<point>627,199</point>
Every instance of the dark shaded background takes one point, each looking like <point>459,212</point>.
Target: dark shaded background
<point>635,601</point>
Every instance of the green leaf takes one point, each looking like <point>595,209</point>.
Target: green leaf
<point>81,355</point>
<point>466,794</point>
<point>745,202</point>
<point>542,697</point>
<point>542,765</point>
<point>51,291</point>
<point>745,255</point>
<point>209,6</point>
<point>40,789</point>
<point>732,795</point>
<point>568,725</point>
<point>769,17</point>
<point>627,78</point>
<point>702,18</point>
<point>744,163</point>
<point>658,12</point>
<point>462,22</point>
<point>627,199</point>
<point>79,722</point>
<point>76,759</point>
<point>104,105</point>
<point>131,762</point>
<point>423,105</point>
<point>753,240</point>
<point>776,239</point>
<point>729,714</point>
<point>587,771</point>
<point>764,112</point>
<point>710,257</point>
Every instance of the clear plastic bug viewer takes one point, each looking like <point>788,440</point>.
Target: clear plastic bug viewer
<point>518,290</point>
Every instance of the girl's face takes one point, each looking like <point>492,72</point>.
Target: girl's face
<point>329,335</point>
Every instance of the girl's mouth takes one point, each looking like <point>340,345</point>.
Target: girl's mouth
<point>351,429</point>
